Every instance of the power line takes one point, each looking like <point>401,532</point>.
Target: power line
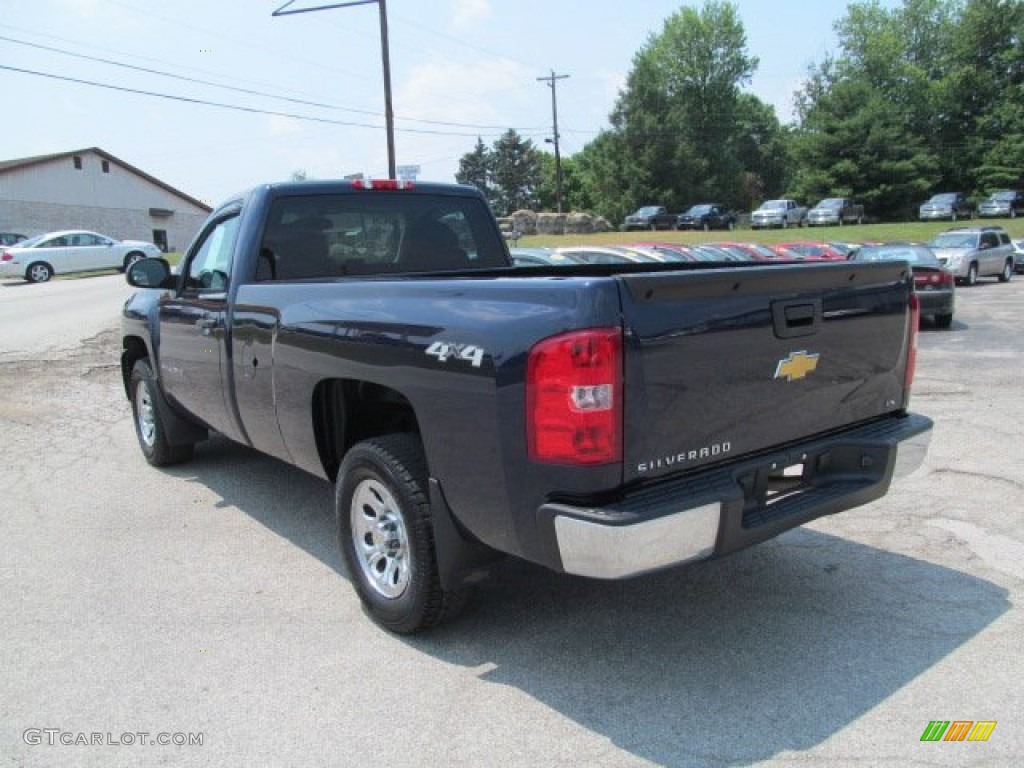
<point>248,91</point>
<point>150,71</point>
<point>235,107</point>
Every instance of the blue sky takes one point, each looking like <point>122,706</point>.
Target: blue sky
<point>460,68</point>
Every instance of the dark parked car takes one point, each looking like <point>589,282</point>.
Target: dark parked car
<point>947,205</point>
<point>932,282</point>
<point>707,216</point>
<point>1006,204</point>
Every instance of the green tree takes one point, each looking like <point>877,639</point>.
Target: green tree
<point>853,144</point>
<point>475,169</point>
<point>984,94</point>
<point>515,172</point>
<point>574,193</point>
<point>762,148</point>
<point>605,178</point>
<point>677,116</point>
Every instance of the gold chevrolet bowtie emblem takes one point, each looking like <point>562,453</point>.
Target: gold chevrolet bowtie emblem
<point>796,366</point>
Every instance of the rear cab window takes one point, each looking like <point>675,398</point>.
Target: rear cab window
<point>373,233</point>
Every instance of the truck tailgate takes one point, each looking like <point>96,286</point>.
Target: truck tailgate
<point>725,363</point>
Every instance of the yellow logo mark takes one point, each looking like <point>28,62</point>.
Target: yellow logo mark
<point>796,366</point>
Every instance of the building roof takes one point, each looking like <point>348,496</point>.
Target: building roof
<point>24,162</point>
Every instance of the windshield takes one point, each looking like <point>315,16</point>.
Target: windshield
<point>831,202</point>
<point>915,254</point>
<point>648,210</point>
<point>697,210</point>
<point>1006,194</point>
<point>953,240</point>
<point>774,205</point>
<point>945,197</point>
<point>31,241</point>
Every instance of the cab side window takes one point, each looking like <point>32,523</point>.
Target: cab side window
<point>210,266</point>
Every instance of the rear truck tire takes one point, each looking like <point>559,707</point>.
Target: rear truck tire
<point>972,274</point>
<point>944,321</point>
<point>1007,273</point>
<point>150,426</point>
<point>386,535</point>
<point>38,272</point>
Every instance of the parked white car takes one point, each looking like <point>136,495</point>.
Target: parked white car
<point>40,258</point>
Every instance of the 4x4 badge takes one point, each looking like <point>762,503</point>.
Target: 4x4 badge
<point>796,366</point>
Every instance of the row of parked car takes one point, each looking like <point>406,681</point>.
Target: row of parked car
<point>39,258</point>
<point>832,211</point>
<point>959,255</point>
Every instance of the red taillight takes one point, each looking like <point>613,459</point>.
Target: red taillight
<point>933,278</point>
<point>574,398</point>
<point>915,321</point>
<point>391,184</point>
<point>8,256</point>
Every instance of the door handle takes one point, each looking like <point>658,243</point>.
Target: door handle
<point>795,318</point>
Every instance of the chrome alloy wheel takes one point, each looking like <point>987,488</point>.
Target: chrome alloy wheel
<point>146,417</point>
<point>380,538</point>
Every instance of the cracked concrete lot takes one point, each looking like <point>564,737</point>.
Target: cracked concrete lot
<point>209,599</point>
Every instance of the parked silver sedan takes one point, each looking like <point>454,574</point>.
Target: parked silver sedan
<point>40,258</point>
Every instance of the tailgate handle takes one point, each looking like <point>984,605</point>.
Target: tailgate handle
<point>796,318</point>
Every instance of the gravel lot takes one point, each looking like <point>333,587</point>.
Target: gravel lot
<point>209,599</point>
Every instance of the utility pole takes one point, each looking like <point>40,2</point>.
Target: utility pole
<point>551,80</point>
<point>389,114</point>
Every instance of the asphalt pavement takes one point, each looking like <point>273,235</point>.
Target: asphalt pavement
<point>207,602</point>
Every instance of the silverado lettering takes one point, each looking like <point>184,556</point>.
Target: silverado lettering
<point>342,327</point>
<point>708,451</point>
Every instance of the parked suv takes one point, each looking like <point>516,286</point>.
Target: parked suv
<point>1006,204</point>
<point>947,205</point>
<point>973,252</point>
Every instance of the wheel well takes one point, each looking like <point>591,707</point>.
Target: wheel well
<point>133,349</point>
<point>346,411</point>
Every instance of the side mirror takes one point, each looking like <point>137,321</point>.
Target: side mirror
<point>151,273</point>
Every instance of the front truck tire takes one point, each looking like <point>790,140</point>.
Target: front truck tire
<point>151,426</point>
<point>386,535</point>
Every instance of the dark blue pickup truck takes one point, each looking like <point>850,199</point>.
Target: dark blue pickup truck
<point>602,420</point>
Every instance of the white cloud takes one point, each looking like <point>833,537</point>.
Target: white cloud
<point>278,126</point>
<point>470,12</point>
<point>493,94</point>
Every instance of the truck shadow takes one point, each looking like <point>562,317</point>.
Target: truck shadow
<point>773,649</point>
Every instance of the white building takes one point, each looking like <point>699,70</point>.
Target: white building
<point>92,189</point>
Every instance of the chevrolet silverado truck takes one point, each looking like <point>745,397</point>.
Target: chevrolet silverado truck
<point>601,420</point>
<point>778,213</point>
<point>652,217</point>
<point>837,211</point>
